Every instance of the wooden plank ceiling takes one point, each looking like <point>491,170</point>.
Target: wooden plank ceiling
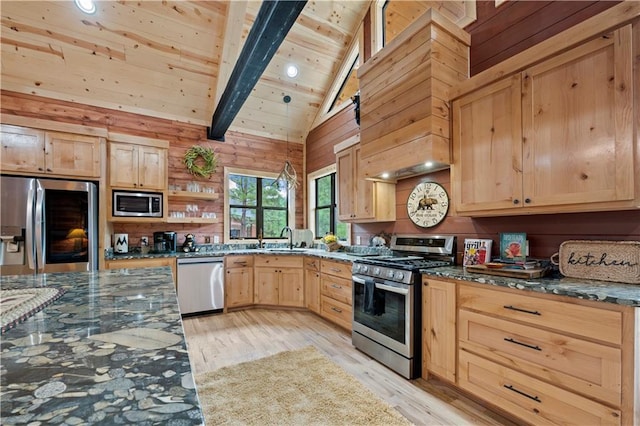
<point>171,59</point>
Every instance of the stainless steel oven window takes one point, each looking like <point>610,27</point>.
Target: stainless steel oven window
<point>392,325</point>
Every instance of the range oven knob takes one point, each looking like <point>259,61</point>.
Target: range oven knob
<point>390,274</point>
<point>364,268</point>
<point>399,276</point>
<point>376,271</point>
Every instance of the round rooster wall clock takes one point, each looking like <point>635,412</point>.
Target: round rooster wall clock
<point>428,204</point>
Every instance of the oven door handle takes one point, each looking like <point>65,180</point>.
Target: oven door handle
<point>391,289</point>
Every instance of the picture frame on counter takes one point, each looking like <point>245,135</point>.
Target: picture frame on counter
<point>513,247</point>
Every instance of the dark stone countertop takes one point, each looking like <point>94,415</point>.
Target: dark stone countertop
<point>601,291</point>
<point>349,256</point>
<point>110,351</point>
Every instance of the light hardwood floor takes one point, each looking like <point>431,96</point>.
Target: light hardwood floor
<point>216,341</point>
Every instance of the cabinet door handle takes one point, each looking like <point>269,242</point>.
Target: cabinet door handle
<point>513,308</point>
<point>516,201</point>
<point>336,310</point>
<point>527,200</point>
<point>511,388</point>
<point>510,340</point>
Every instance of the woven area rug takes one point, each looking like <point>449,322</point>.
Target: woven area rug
<point>300,387</point>
<point>19,304</point>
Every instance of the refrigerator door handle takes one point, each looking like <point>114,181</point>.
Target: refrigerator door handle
<point>40,226</point>
<point>29,237</point>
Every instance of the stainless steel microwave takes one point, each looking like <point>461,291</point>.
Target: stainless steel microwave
<point>137,204</point>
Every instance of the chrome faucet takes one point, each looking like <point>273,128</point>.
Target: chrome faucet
<point>285,229</point>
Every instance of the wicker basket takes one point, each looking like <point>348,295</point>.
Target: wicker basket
<point>334,246</point>
<point>617,261</point>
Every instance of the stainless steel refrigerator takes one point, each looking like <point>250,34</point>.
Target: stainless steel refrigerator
<point>47,225</point>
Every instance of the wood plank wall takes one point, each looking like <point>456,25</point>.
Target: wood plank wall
<point>321,140</point>
<point>239,150</point>
<point>545,232</point>
<point>501,32</point>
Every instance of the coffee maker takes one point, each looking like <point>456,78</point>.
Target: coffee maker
<point>165,242</point>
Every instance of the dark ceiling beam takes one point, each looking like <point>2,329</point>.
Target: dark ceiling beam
<point>273,22</point>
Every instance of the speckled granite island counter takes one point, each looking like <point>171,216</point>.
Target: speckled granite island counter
<point>111,350</point>
<point>601,291</point>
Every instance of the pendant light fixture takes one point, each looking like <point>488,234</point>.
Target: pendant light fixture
<point>287,176</point>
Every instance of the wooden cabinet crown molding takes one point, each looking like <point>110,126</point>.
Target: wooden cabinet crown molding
<point>40,124</point>
<point>137,140</point>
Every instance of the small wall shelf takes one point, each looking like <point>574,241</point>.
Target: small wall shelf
<point>193,195</point>
<point>191,220</point>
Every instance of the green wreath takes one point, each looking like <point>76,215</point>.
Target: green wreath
<point>200,161</point>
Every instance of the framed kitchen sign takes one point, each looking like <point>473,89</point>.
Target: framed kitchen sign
<point>617,261</point>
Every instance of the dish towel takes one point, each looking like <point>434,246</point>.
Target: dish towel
<point>373,299</point>
<point>369,296</point>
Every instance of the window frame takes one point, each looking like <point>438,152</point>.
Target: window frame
<point>311,200</point>
<point>227,217</point>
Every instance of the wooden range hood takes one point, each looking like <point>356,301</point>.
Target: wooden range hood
<point>404,98</point>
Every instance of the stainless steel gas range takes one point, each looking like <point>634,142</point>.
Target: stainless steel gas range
<point>387,299</point>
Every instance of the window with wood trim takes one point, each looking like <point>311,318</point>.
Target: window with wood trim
<point>256,204</point>
<point>323,207</point>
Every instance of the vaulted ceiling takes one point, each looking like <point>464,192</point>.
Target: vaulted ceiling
<point>172,59</point>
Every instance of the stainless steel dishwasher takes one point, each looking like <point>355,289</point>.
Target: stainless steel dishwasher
<point>200,285</point>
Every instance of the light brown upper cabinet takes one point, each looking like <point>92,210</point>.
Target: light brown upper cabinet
<point>361,200</point>
<point>27,150</point>
<point>140,166</point>
<point>556,137</point>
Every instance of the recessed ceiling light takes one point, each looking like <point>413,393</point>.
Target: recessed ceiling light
<point>385,175</point>
<point>87,6</point>
<point>428,164</point>
<point>292,71</point>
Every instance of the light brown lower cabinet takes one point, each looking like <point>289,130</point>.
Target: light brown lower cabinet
<point>238,281</point>
<point>312,284</point>
<point>439,329</point>
<point>548,359</point>
<point>532,400</point>
<point>336,292</point>
<point>279,280</point>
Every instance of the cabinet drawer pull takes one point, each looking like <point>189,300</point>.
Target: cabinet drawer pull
<point>335,269</point>
<point>511,388</point>
<point>513,308</point>
<point>336,310</point>
<point>336,286</point>
<point>240,262</point>
<point>510,340</point>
